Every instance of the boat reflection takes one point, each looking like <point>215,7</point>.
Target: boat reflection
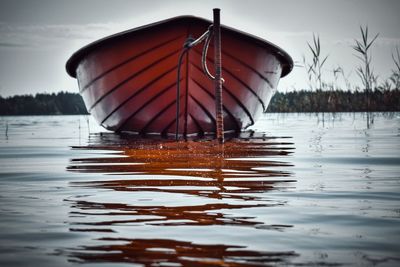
<point>208,214</point>
<point>226,186</point>
<point>166,252</point>
<point>204,168</point>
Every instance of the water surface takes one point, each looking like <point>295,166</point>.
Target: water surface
<point>300,189</point>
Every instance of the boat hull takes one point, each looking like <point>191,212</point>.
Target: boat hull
<point>128,81</point>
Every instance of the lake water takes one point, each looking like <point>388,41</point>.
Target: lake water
<point>301,190</point>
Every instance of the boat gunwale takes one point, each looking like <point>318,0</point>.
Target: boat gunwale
<point>75,59</point>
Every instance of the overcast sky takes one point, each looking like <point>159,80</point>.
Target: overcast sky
<point>37,37</point>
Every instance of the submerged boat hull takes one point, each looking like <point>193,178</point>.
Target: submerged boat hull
<point>128,81</point>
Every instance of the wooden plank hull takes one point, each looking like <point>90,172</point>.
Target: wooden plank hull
<point>128,81</point>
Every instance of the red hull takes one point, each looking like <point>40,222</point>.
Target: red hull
<point>128,80</point>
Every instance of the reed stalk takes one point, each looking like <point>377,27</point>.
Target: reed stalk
<point>315,68</point>
<point>395,77</point>
<point>364,70</point>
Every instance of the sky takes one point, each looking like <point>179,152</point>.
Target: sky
<point>37,37</point>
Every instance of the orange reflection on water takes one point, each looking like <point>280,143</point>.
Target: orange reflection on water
<point>167,252</point>
<point>236,167</point>
<point>208,214</point>
<point>230,177</point>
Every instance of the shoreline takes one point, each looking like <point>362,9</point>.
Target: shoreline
<point>337,101</point>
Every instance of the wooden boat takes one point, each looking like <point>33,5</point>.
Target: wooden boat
<point>128,80</point>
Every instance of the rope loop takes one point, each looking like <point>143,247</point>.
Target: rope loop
<point>190,42</point>
<point>204,55</point>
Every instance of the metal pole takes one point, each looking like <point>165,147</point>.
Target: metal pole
<point>218,81</point>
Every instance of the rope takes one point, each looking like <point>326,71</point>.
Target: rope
<point>204,55</point>
<point>205,35</point>
<point>189,43</point>
<point>178,91</point>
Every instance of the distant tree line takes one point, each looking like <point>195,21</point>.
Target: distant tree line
<point>62,103</point>
<point>335,101</point>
